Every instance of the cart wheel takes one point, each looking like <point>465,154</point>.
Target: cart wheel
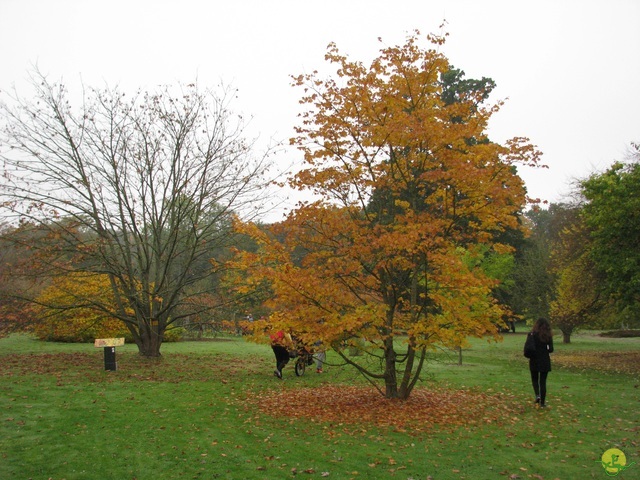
<point>300,366</point>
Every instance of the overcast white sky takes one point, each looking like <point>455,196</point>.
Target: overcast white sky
<point>570,69</point>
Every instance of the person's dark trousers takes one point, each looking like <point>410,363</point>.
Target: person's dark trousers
<point>539,381</point>
<point>282,357</point>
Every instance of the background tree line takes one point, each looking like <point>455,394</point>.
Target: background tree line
<point>581,265</point>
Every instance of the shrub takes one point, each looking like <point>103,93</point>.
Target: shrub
<point>65,314</point>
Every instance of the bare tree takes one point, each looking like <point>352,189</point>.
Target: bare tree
<point>139,188</point>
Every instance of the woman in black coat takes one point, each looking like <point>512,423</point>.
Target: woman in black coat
<point>539,361</point>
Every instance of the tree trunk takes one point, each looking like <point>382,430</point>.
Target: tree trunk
<point>151,345</point>
<point>390,378</point>
<point>566,335</point>
<point>407,385</point>
<point>148,337</point>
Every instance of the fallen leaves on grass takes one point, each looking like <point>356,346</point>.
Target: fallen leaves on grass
<point>173,368</point>
<point>55,364</point>
<point>355,407</point>
<point>609,362</point>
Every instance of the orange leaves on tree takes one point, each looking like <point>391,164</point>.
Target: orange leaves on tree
<point>409,186</point>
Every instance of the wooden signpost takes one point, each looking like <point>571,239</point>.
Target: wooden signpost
<point>109,345</point>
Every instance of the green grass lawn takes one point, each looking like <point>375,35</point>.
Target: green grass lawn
<point>196,413</point>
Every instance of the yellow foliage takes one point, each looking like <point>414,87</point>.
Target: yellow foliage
<point>69,310</point>
<point>577,295</point>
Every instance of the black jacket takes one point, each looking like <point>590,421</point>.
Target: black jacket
<point>541,362</point>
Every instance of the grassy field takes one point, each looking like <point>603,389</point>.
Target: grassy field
<point>214,410</point>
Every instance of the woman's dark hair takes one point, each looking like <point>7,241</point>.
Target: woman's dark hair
<point>543,330</point>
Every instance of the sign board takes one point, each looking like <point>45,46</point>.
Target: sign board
<point>108,342</point>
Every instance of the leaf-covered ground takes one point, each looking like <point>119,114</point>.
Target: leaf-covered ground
<point>612,362</point>
<point>344,409</point>
<point>222,410</point>
<point>350,408</point>
<point>175,367</point>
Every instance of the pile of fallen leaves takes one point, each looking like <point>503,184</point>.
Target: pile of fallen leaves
<point>351,408</point>
<point>610,362</point>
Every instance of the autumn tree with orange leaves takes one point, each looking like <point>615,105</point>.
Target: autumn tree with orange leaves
<point>411,194</point>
